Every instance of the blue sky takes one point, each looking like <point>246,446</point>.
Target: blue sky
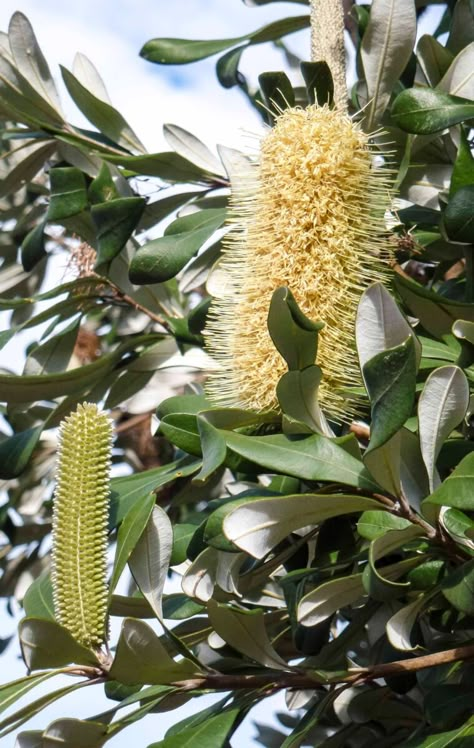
<point>110,33</point>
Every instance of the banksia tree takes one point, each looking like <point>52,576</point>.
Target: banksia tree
<point>80,522</point>
<point>308,214</point>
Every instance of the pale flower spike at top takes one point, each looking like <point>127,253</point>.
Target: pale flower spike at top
<point>80,524</point>
<point>309,215</point>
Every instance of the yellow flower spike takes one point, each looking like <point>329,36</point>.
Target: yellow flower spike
<point>80,524</point>
<point>310,216</point>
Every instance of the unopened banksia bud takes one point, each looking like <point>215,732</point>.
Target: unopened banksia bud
<point>80,522</point>
<point>310,216</point>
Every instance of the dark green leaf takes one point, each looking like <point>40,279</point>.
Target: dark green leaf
<point>458,488</point>
<point>128,490</point>
<point>459,215</point>
<point>182,535</point>
<point>297,393</point>
<point>424,110</point>
<point>213,448</point>
<point>372,525</point>
<point>68,193</point>
<point>390,378</point>
<point>461,737</point>
<point>213,732</point>
<point>319,83</point>
<point>16,451</point>
<point>161,259</point>
<point>312,458</point>
<point>102,189</point>
<point>293,334</point>
<point>115,222</point>
<point>445,704</point>
<point>182,51</point>
<point>33,247</point>
<point>277,93</point>
<point>129,533</point>
<point>227,67</point>
<point>458,588</point>
<point>463,170</point>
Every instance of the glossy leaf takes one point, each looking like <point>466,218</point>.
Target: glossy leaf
<point>127,490</point>
<point>457,489</point>
<point>312,458</point>
<point>374,524</point>
<point>259,525</point>
<point>390,378</point>
<point>150,558</point>
<point>277,93</point>
<point>161,259</point>
<point>319,83</point>
<point>458,588</point>
<point>33,247</point>
<point>129,533</point>
<point>441,407</point>
<point>142,658</point>
<point>458,217</point>
<point>182,51</point>
<point>424,110</point>
<point>386,48</point>
<point>68,193</point>
<point>214,450</point>
<point>115,222</point>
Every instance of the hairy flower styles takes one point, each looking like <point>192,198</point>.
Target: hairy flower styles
<point>80,520</point>
<point>309,215</point>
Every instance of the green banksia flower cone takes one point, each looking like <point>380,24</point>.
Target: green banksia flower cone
<point>309,215</point>
<point>80,524</point>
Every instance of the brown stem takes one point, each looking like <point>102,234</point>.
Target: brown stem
<point>126,299</point>
<point>275,681</point>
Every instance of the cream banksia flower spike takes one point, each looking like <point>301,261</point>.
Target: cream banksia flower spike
<point>309,215</point>
<point>80,522</point>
